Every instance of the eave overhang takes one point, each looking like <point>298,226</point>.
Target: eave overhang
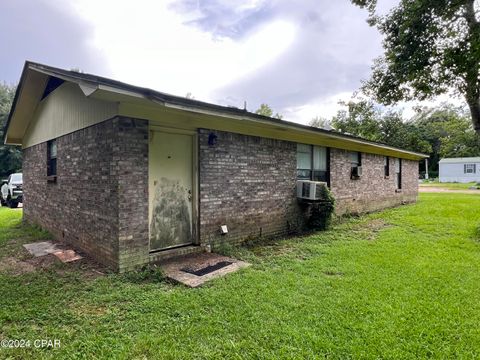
<point>136,99</point>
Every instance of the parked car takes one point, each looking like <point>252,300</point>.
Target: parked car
<point>11,192</point>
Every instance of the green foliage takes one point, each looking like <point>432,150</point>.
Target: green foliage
<point>444,131</point>
<point>320,122</point>
<point>321,213</point>
<point>359,118</point>
<point>430,48</point>
<point>10,156</point>
<point>266,110</point>
<point>148,273</point>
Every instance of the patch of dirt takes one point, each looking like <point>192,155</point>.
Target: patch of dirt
<point>273,249</point>
<point>19,261</point>
<point>376,225</point>
<point>370,229</point>
<point>15,266</point>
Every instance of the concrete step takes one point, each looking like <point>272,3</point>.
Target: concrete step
<point>161,256</point>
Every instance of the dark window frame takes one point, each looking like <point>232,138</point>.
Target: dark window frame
<point>52,160</point>
<point>386,166</point>
<point>399,174</point>
<point>467,167</point>
<point>312,170</point>
<point>354,164</point>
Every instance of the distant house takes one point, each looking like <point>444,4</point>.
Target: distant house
<point>131,176</point>
<point>462,170</point>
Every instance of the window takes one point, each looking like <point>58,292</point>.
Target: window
<point>469,168</point>
<point>398,174</point>
<point>355,159</point>
<point>16,178</point>
<point>386,166</point>
<point>312,163</point>
<point>52,158</point>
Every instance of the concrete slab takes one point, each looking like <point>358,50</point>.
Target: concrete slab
<point>180,269</point>
<point>41,248</point>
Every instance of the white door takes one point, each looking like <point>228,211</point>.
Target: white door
<point>170,189</point>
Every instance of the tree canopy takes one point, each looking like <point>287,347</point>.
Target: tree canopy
<point>10,156</point>
<point>444,131</point>
<point>431,47</point>
<point>266,110</point>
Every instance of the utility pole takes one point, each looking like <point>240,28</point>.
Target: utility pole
<point>426,169</point>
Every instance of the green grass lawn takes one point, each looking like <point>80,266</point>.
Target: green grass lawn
<point>403,283</point>
<point>451,186</point>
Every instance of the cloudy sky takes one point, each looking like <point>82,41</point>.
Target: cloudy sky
<point>300,57</point>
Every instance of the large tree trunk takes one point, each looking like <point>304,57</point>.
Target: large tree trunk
<point>472,93</point>
<point>474,107</point>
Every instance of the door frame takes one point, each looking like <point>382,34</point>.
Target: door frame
<point>195,182</point>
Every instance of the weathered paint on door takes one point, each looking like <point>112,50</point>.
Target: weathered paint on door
<point>170,189</point>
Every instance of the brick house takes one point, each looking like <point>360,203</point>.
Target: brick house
<point>132,176</point>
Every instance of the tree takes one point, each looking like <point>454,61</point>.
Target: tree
<point>443,131</point>
<point>430,48</point>
<point>266,110</point>
<point>367,120</point>
<point>449,131</point>
<point>359,118</point>
<point>320,122</point>
<point>10,156</point>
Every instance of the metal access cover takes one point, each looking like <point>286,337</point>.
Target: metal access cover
<point>208,269</point>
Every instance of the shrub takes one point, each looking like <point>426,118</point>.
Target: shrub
<point>321,212</point>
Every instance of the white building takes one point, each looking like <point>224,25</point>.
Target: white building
<point>462,170</point>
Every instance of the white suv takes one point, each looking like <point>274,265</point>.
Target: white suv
<point>11,192</point>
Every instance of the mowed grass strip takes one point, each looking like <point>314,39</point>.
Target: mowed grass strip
<point>449,185</point>
<point>403,283</point>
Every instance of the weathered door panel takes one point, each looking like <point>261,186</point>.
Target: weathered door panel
<point>170,189</point>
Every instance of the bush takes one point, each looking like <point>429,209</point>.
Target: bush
<point>149,273</point>
<point>321,213</point>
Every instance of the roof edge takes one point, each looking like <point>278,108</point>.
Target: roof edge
<point>194,105</point>
<point>15,100</point>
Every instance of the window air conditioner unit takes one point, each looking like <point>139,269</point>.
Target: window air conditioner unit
<point>357,172</point>
<point>310,190</point>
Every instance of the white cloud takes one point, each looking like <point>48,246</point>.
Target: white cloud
<point>148,44</point>
<point>322,107</point>
<point>299,57</point>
